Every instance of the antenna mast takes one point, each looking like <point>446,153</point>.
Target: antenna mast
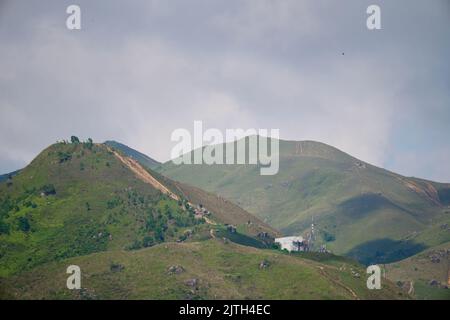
<point>311,235</point>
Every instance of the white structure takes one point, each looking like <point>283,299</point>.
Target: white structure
<point>291,243</point>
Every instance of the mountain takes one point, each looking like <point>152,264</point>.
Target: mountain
<point>138,156</point>
<point>359,210</point>
<point>4,177</point>
<point>75,199</point>
<point>137,234</point>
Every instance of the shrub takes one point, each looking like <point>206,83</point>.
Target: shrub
<point>64,156</point>
<point>24,224</point>
<point>113,203</point>
<point>74,139</point>
<point>148,241</point>
<point>89,144</point>
<point>48,189</point>
<point>4,228</point>
<point>328,237</point>
<point>135,245</point>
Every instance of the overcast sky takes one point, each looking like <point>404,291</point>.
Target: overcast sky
<point>137,70</point>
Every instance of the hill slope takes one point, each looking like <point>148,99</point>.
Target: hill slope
<point>428,272</point>
<point>197,270</point>
<point>360,210</point>
<point>75,199</point>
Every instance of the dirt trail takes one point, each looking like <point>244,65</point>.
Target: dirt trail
<point>337,282</point>
<point>144,175</point>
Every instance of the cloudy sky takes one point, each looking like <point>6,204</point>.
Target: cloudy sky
<point>137,70</point>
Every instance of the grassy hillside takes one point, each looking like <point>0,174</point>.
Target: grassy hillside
<point>210,269</point>
<point>222,210</point>
<point>361,210</point>
<point>428,271</point>
<point>76,199</point>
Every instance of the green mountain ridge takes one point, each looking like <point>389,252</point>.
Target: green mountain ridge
<point>135,235</point>
<point>360,210</point>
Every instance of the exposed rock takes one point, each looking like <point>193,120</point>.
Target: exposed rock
<point>434,283</point>
<point>264,264</point>
<point>87,294</point>
<point>192,283</point>
<point>355,274</point>
<point>116,267</point>
<point>435,259</point>
<point>175,269</point>
<point>437,256</point>
<point>360,164</point>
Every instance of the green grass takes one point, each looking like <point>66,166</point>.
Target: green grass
<point>223,271</point>
<point>425,292</point>
<point>420,269</point>
<point>98,206</point>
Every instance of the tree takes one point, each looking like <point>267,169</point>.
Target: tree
<point>89,143</point>
<point>4,228</point>
<point>64,156</point>
<point>74,139</point>
<point>48,189</point>
<point>24,224</point>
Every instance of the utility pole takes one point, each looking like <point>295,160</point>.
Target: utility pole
<point>312,233</point>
